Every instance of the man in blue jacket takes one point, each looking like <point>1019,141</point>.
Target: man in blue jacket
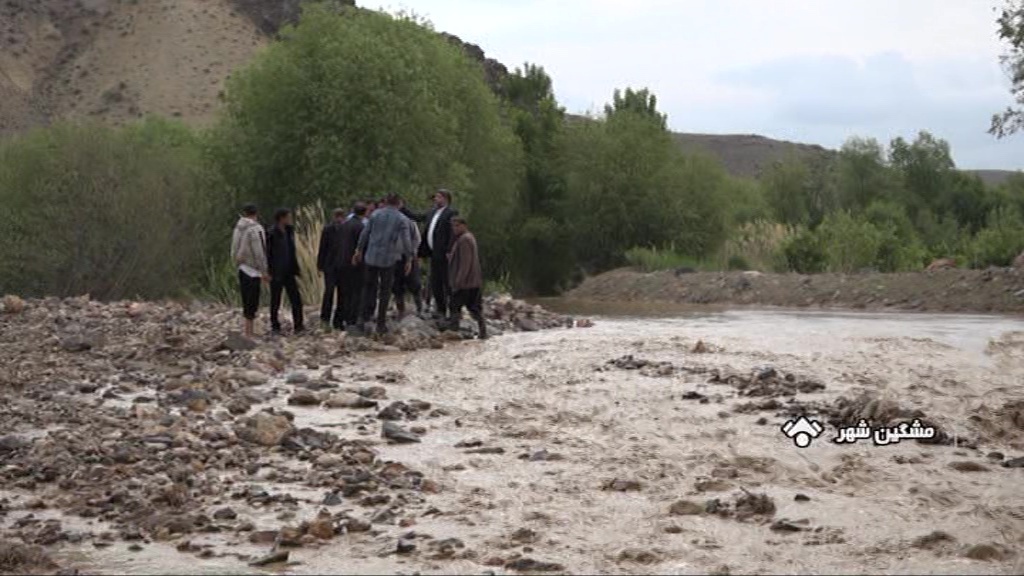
<point>384,241</point>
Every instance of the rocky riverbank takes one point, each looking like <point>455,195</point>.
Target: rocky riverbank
<point>142,423</point>
<point>994,290</point>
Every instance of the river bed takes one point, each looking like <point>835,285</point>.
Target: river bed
<point>592,458</point>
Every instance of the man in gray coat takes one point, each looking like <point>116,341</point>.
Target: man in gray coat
<point>384,242</point>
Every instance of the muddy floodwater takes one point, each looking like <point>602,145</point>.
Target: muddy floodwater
<point>641,465</point>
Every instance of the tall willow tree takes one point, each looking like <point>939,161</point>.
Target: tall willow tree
<point>353,103</point>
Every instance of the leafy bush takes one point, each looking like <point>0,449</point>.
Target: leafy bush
<point>654,260</point>
<point>850,244</point>
<point>1000,242</point>
<point>804,253</point>
<point>115,213</point>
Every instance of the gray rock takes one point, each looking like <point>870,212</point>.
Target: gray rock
<point>238,343</point>
<point>297,378</point>
<point>395,433</point>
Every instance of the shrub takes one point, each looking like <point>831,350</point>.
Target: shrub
<point>804,253</point>
<point>110,212</point>
<point>1000,242</point>
<point>654,259</point>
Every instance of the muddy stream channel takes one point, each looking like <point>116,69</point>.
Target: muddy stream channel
<point>649,443</point>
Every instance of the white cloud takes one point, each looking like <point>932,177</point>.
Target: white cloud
<point>808,70</point>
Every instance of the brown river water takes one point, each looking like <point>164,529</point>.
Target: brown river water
<point>551,391</point>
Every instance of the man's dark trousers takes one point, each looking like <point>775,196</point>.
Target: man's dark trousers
<point>439,284</point>
<point>379,283</point>
<point>408,283</point>
<point>351,278</point>
<point>291,286</point>
<point>333,300</point>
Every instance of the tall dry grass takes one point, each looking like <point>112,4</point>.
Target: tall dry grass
<point>309,225</point>
<point>756,245</point>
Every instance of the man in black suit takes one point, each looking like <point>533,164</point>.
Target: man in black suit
<point>284,270</point>
<point>329,263</point>
<point>351,274</point>
<point>436,242</point>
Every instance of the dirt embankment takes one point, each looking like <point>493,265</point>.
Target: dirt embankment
<point>994,290</point>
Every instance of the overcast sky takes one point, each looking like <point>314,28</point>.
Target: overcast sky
<point>815,71</point>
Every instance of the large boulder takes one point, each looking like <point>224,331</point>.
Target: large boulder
<point>264,429</point>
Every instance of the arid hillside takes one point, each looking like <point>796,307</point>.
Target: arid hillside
<point>115,60</point>
<point>118,59</point>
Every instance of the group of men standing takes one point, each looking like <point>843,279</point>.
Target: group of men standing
<point>366,256</point>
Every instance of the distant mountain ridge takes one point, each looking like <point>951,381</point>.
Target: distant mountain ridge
<point>115,61</point>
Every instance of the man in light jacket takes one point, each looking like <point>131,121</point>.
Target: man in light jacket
<point>248,251</point>
<point>383,243</point>
<point>466,277</point>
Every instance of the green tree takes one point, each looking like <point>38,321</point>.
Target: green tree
<point>537,120</point>
<point>1011,32</point>
<point>787,189</point>
<point>630,186</point>
<point>641,102</point>
<point>862,175</point>
<point>925,170</point>
<point>353,103</point>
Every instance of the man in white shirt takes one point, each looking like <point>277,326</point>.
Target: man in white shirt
<point>435,245</point>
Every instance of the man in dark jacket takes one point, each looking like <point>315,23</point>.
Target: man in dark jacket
<point>284,269</point>
<point>435,244</point>
<point>352,275</point>
<point>328,262</point>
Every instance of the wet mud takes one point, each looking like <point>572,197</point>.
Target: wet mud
<point>639,445</point>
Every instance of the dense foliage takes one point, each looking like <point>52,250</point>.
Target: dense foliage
<point>110,212</point>
<point>353,104</point>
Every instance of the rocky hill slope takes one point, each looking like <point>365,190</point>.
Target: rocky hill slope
<point>115,60</point>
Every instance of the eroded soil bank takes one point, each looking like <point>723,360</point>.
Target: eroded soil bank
<point>973,291</point>
<point>639,445</point>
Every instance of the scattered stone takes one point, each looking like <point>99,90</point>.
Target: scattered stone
<point>986,553</point>
<point>685,508</point>
<point>932,539</point>
<point>639,556</point>
<point>273,558</point>
<point>1014,463</point>
<point>264,429</point>
<point>802,498</point>
<point>395,433</point>
<point>525,536</point>
<point>783,525</point>
<point>304,398</point>
<point>225,514</point>
<point>700,348</point>
<point>297,378</point>
<point>968,466</point>
<point>349,400</point>
<point>531,565</point>
<point>236,342</point>
<point>405,546</point>
<point>622,485</point>
<point>322,528</point>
